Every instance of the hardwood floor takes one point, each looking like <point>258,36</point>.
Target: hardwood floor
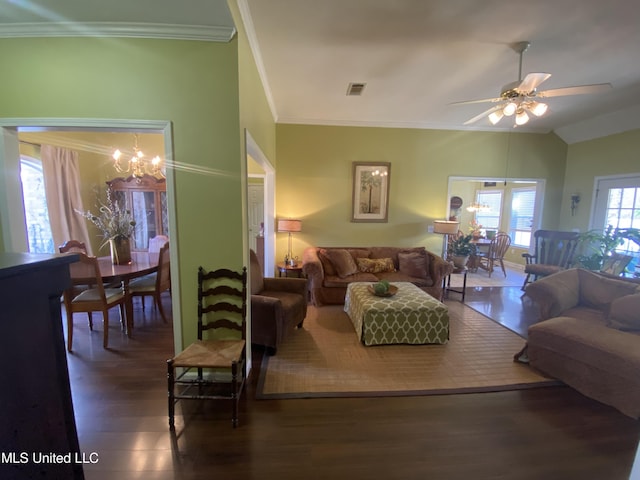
<point>120,402</point>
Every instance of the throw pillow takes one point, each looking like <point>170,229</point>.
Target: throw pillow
<point>342,261</point>
<point>625,313</point>
<point>597,291</point>
<point>327,266</point>
<point>375,265</point>
<point>413,264</point>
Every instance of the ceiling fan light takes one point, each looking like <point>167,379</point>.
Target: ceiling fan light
<point>538,108</point>
<point>509,109</point>
<point>495,117</point>
<point>521,117</point>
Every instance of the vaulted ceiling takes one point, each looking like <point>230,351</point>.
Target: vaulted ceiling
<point>416,57</point>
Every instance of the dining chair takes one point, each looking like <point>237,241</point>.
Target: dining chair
<point>86,271</point>
<point>222,312</point>
<point>156,243</point>
<point>495,255</point>
<point>154,284</point>
<point>73,246</point>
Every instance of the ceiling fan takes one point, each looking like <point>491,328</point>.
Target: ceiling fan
<point>520,98</point>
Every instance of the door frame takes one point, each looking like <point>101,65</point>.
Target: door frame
<point>13,232</point>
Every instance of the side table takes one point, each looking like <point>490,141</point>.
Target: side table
<point>446,282</point>
<point>285,269</point>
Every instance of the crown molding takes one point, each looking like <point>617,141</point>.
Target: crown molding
<point>205,33</point>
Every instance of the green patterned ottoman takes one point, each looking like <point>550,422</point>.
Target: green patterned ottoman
<point>410,316</point>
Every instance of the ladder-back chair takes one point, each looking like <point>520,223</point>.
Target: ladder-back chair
<point>222,311</point>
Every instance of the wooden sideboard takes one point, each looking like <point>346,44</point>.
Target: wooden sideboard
<point>36,404</point>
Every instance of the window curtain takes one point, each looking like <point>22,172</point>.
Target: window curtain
<point>62,188</point>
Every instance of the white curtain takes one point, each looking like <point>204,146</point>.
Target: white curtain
<point>62,189</point>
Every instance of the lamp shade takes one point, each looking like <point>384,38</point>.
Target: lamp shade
<point>445,226</point>
<point>289,225</point>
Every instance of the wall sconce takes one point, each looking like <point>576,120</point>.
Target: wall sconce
<point>575,200</point>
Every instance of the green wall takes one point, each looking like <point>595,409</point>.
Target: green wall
<point>612,155</point>
<point>314,178</point>
<point>192,84</point>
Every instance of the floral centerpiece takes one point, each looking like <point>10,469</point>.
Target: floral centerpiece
<point>116,224</point>
<point>475,229</point>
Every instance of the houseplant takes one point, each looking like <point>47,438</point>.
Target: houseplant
<point>460,249</point>
<point>595,246</point>
<point>116,224</point>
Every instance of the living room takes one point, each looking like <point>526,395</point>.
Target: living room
<point>211,93</point>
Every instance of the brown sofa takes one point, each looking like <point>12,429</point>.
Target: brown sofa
<point>330,269</point>
<point>590,335</point>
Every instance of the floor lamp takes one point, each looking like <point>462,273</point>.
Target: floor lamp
<point>445,228</point>
<point>289,226</point>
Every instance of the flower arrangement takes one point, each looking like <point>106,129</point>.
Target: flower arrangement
<point>113,221</point>
<point>474,227</point>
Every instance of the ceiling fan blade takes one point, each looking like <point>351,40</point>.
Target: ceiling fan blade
<point>577,90</point>
<point>484,100</point>
<point>483,114</point>
<point>531,82</point>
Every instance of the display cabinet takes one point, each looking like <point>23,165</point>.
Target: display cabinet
<point>146,197</point>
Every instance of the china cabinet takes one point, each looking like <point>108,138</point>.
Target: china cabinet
<point>146,197</point>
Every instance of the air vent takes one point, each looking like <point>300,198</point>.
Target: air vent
<point>355,89</point>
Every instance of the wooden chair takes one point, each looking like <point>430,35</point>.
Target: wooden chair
<point>554,251</point>
<point>495,255</point>
<point>74,246</point>
<point>95,299</point>
<point>222,311</point>
<point>154,284</point>
<point>278,306</point>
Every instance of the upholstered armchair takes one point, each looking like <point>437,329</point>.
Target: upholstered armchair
<point>278,305</point>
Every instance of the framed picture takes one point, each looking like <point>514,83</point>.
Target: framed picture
<point>370,191</point>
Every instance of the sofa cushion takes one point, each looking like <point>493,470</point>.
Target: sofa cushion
<point>398,276</point>
<point>624,313</point>
<point>342,261</point>
<point>336,281</point>
<point>413,264</point>
<point>598,292</point>
<point>375,265</point>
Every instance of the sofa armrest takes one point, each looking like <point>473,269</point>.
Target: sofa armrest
<point>438,268</point>
<point>291,285</point>
<point>312,267</point>
<point>555,293</point>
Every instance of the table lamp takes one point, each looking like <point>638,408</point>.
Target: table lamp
<point>445,228</point>
<point>289,225</point>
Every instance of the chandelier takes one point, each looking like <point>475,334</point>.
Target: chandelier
<point>478,207</point>
<point>137,165</point>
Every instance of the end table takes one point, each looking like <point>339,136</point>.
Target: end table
<point>285,269</point>
<point>446,282</point>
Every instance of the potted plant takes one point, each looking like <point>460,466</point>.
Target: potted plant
<point>596,246</point>
<point>460,249</point>
<point>116,224</point>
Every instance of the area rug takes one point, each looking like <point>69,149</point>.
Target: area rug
<point>326,359</point>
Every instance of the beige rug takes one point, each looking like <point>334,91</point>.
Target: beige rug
<point>326,359</point>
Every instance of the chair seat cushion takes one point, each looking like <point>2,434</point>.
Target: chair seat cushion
<point>210,354</point>
<point>93,295</point>
<point>293,304</point>
<point>146,283</point>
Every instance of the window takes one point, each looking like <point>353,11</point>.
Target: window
<point>623,211</point>
<point>523,201</point>
<point>493,199</point>
<point>39,235</point>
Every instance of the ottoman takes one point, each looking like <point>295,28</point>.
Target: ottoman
<point>411,316</point>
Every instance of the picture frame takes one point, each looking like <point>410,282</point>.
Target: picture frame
<point>371,182</point>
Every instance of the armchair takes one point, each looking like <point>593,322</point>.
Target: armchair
<point>278,305</point>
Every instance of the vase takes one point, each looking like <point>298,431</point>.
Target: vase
<point>120,251</point>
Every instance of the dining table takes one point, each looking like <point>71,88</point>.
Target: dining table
<point>142,263</point>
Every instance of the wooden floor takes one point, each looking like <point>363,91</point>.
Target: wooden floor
<point>120,404</point>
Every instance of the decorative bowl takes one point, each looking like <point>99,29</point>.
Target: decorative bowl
<point>389,293</point>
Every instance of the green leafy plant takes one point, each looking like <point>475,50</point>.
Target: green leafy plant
<point>461,246</point>
<point>596,245</point>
